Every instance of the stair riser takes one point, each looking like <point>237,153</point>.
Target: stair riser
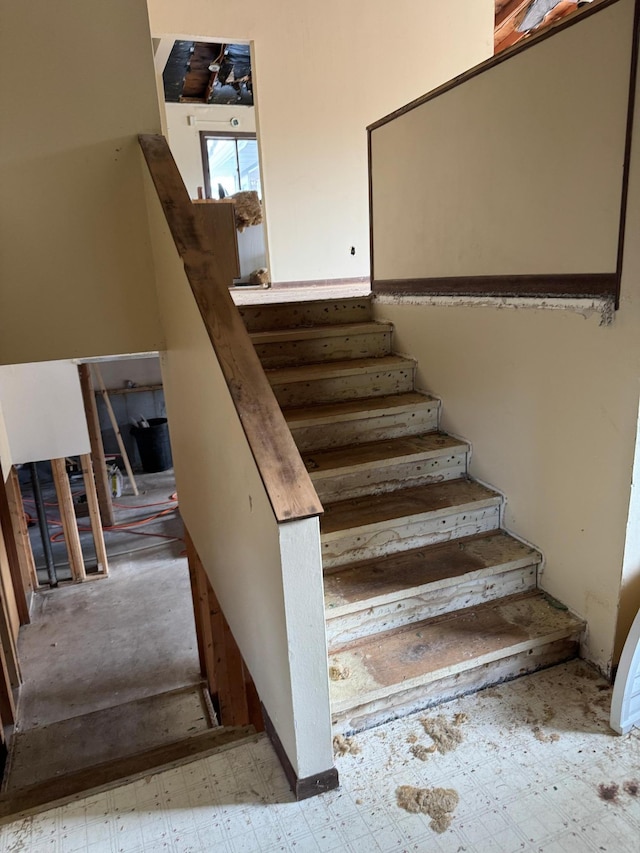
<point>377,712</point>
<point>426,603</point>
<point>338,434</point>
<point>410,532</point>
<point>388,478</point>
<point>289,315</point>
<point>346,387</point>
<point>293,353</point>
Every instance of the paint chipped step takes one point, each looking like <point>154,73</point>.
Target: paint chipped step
<point>383,466</point>
<point>342,380</point>
<point>373,526</point>
<point>331,425</point>
<point>463,652</point>
<point>321,312</point>
<point>290,347</point>
<point>379,595</point>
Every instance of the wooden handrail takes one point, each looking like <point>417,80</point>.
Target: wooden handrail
<point>285,478</point>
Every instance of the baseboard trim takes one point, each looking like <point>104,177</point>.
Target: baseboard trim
<point>302,789</point>
<point>580,285</point>
<point>320,282</point>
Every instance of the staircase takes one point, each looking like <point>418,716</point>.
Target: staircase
<point>426,597</point>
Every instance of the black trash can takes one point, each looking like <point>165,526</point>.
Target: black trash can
<point>153,445</point>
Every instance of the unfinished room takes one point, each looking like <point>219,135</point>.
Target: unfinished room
<point>319,427</point>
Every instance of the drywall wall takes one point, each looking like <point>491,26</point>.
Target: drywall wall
<point>184,138</point>
<point>516,171</point>
<point>43,411</point>
<point>323,71</point>
<point>549,401</point>
<point>225,508</point>
<point>75,256</point>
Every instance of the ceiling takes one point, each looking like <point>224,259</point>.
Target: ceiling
<point>517,19</point>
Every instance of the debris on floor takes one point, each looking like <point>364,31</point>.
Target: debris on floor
<point>344,746</point>
<point>542,737</point>
<point>445,736</point>
<point>422,752</point>
<point>438,803</point>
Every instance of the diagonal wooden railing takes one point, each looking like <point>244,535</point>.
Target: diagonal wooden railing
<point>285,478</point>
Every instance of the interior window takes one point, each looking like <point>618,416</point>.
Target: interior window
<point>230,164</point>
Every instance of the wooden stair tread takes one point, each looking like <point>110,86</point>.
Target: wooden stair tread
<point>378,453</point>
<point>353,409</point>
<point>361,585</point>
<point>383,664</point>
<point>300,333</point>
<point>327,369</point>
<point>417,500</point>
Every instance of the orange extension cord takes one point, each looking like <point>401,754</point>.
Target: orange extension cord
<point>117,528</point>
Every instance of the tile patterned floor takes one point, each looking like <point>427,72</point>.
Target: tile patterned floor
<point>538,769</point>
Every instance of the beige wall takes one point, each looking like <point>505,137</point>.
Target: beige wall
<point>549,401</point>
<point>518,170</point>
<point>269,587</point>
<point>323,72</point>
<point>43,411</point>
<point>76,267</point>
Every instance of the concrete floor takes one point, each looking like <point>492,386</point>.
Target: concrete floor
<point>110,642</point>
<point>534,767</point>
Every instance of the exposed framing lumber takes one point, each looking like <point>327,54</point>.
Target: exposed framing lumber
<point>230,674</point>
<point>94,513</point>
<point>228,679</point>
<point>7,704</point>
<point>198,596</point>
<point>13,558</point>
<point>21,532</point>
<point>8,643</point>
<point>68,519</point>
<point>97,448</point>
<point>116,429</point>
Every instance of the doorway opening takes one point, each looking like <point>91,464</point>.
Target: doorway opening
<point>107,662</point>
<point>210,103</point>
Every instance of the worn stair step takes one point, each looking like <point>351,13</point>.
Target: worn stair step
<point>401,671</point>
<point>328,425</point>
<point>375,525</point>
<point>379,595</point>
<point>382,466</point>
<point>321,312</point>
<point>288,347</point>
<point>342,380</point>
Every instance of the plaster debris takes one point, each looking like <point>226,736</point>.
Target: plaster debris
<point>422,752</point>
<point>345,746</point>
<point>445,736</point>
<point>438,803</point>
<point>339,673</point>
<point>459,719</point>
<point>542,737</point>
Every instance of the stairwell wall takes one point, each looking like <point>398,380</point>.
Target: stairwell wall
<point>323,71</point>
<point>549,401</point>
<point>76,88</point>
